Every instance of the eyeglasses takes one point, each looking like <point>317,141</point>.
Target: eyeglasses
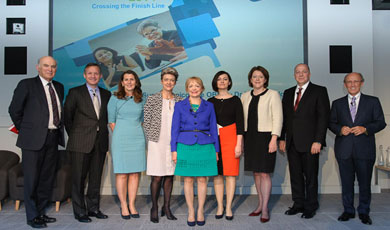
<point>352,82</point>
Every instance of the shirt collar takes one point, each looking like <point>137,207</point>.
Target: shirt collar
<point>357,96</point>
<point>91,89</point>
<point>44,81</point>
<point>303,87</point>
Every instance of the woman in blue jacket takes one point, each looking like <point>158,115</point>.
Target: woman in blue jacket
<point>194,145</point>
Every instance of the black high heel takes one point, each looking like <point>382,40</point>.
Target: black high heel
<point>168,212</point>
<point>154,215</point>
<point>125,217</point>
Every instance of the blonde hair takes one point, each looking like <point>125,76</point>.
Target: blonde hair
<point>195,79</point>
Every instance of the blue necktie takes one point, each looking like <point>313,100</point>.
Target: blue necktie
<point>353,108</point>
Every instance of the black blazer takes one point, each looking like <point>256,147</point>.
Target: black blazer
<point>29,112</point>
<point>309,123</point>
<point>81,121</point>
<point>369,115</point>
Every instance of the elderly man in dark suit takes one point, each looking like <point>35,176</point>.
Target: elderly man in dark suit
<point>355,119</point>
<point>85,114</point>
<point>305,121</point>
<point>36,110</point>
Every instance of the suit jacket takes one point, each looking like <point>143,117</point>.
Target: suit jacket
<point>29,112</point>
<point>309,122</point>
<point>81,122</point>
<point>369,115</point>
<point>184,119</point>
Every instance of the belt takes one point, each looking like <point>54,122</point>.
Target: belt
<point>199,131</point>
<point>52,130</point>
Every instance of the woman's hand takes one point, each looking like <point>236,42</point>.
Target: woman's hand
<point>272,146</point>
<point>238,151</point>
<point>174,157</point>
<point>217,156</point>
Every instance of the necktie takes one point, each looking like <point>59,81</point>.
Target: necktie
<point>298,99</point>
<point>353,108</point>
<point>96,104</point>
<point>54,106</point>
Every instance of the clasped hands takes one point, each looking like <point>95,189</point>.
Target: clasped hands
<point>356,130</point>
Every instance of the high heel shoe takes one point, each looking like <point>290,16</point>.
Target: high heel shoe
<point>264,220</point>
<point>125,217</point>
<point>220,216</point>
<point>154,216</point>
<point>254,213</point>
<point>167,211</point>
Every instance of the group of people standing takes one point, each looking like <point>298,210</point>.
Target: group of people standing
<point>193,138</point>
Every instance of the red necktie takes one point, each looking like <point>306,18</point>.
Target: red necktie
<point>298,99</point>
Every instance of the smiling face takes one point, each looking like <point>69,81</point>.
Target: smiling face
<point>129,82</point>
<point>353,82</point>
<point>168,82</point>
<point>92,75</point>
<point>258,80</point>
<point>194,89</point>
<point>152,33</point>
<point>103,56</point>
<point>302,74</point>
<point>47,68</point>
<point>223,82</point>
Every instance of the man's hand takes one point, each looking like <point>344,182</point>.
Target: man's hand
<point>316,148</point>
<point>358,130</point>
<point>282,146</point>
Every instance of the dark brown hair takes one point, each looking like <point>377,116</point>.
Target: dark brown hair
<point>215,79</point>
<point>121,93</point>
<point>263,71</point>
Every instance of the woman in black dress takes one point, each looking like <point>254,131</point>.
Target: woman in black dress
<point>263,120</point>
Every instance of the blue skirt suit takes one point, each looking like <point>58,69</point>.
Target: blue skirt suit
<point>128,139</point>
<point>194,136</point>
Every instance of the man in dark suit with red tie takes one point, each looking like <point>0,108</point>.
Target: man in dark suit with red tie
<point>355,119</point>
<point>85,114</point>
<point>305,121</point>
<point>36,111</point>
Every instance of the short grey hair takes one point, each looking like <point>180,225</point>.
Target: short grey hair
<point>146,23</point>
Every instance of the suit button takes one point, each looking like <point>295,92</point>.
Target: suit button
<point>194,116</point>
<point>195,123</point>
<point>196,135</point>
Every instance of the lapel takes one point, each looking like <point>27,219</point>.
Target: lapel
<point>203,106</point>
<point>362,104</point>
<point>59,93</point>
<point>305,96</point>
<point>88,101</point>
<point>345,109</point>
<point>41,93</point>
<point>103,101</point>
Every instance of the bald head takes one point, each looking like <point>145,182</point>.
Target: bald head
<point>47,67</point>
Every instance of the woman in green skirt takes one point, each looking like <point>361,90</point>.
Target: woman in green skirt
<point>195,146</point>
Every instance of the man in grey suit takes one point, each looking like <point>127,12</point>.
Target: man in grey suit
<point>85,114</point>
<point>355,118</point>
<point>36,111</point>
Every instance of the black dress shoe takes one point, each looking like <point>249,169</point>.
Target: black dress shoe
<point>346,216</point>
<point>83,219</point>
<point>47,219</point>
<point>98,214</point>
<point>308,214</point>
<point>154,215</point>
<point>37,223</point>
<point>365,218</point>
<point>293,210</point>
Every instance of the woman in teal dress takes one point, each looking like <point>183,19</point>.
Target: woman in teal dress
<point>125,117</point>
<point>195,146</point>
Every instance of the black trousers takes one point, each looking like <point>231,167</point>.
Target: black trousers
<point>303,168</point>
<point>362,168</point>
<point>39,169</point>
<point>87,165</point>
